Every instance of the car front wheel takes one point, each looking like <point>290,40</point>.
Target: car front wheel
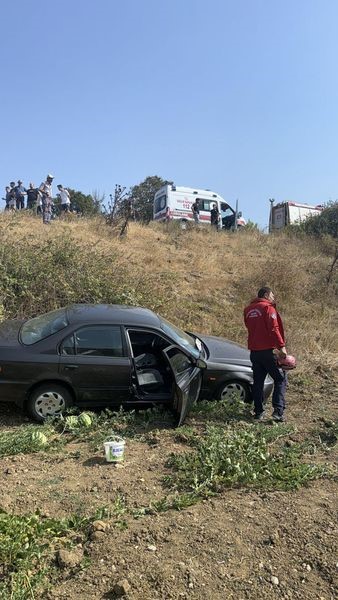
<point>234,390</point>
<point>48,400</point>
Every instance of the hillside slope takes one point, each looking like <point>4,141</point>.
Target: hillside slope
<point>199,279</point>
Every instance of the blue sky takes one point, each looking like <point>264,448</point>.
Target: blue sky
<point>237,96</point>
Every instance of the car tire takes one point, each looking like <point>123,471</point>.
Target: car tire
<point>48,400</point>
<point>232,389</point>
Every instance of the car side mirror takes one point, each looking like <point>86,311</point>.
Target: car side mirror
<point>239,214</point>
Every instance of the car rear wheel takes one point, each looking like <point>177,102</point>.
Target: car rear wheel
<point>48,400</point>
<point>234,390</point>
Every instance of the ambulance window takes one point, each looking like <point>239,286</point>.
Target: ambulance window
<point>206,204</point>
<point>160,203</point>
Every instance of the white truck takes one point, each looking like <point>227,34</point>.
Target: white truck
<point>290,213</point>
<point>172,202</point>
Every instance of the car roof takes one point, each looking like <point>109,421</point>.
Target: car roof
<point>112,313</point>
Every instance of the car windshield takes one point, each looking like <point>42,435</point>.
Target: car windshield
<point>43,326</point>
<point>182,338</point>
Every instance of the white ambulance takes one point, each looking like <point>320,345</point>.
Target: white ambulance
<point>172,202</point>
<point>290,213</point>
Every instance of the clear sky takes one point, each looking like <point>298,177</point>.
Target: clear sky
<point>239,96</point>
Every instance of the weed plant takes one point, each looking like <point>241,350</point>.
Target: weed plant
<point>28,544</point>
<point>22,441</point>
<point>241,456</point>
<point>222,410</point>
<point>26,547</point>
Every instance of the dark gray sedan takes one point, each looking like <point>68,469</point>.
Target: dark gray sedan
<point>108,355</point>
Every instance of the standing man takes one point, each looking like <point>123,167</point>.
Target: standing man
<point>214,216</point>
<point>196,211</point>
<point>12,196</point>
<point>7,197</point>
<point>20,191</point>
<point>266,343</point>
<point>32,196</point>
<point>47,199</point>
<point>64,197</point>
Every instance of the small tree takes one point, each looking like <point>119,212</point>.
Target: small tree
<point>119,210</point>
<point>142,197</point>
<point>84,204</point>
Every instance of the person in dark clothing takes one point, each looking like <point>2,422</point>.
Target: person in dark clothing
<point>196,210</point>
<point>266,343</point>
<point>32,196</point>
<point>20,191</point>
<point>7,197</point>
<point>214,216</point>
<point>12,196</point>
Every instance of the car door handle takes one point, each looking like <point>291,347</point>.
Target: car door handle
<point>71,367</point>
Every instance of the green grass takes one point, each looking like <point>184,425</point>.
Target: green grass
<point>28,544</point>
<point>22,441</point>
<point>26,550</point>
<point>240,456</point>
<point>62,430</point>
<point>222,410</point>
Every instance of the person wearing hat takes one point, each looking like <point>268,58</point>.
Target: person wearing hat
<point>20,191</point>
<point>47,199</point>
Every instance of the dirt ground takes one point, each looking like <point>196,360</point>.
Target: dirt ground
<point>241,544</point>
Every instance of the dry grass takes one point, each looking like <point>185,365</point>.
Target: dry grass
<point>199,279</point>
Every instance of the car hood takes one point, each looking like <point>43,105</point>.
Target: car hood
<point>9,332</point>
<point>222,350</point>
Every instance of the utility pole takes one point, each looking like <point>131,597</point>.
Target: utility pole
<point>236,216</point>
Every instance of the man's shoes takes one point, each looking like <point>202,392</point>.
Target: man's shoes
<point>260,416</point>
<point>277,416</point>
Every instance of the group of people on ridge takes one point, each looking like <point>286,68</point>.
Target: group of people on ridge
<point>38,199</point>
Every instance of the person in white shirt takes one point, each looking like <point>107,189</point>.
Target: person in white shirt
<point>47,199</point>
<point>64,197</point>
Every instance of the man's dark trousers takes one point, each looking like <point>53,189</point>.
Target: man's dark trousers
<point>264,362</point>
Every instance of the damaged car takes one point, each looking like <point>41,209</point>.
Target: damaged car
<point>104,355</point>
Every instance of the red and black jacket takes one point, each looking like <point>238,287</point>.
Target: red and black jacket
<point>264,325</point>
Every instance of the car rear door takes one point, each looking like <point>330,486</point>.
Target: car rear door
<point>94,361</point>
<point>188,380</point>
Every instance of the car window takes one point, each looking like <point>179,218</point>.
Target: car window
<point>99,340</point>
<point>179,361</point>
<point>180,337</point>
<point>68,345</point>
<point>43,326</point>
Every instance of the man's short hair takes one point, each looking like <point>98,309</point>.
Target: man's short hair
<point>263,290</point>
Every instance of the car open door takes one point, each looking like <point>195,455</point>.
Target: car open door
<point>188,379</point>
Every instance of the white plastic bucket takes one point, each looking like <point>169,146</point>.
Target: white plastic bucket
<point>114,450</point>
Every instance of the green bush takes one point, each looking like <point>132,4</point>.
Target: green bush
<point>38,276</point>
<point>326,223</point>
